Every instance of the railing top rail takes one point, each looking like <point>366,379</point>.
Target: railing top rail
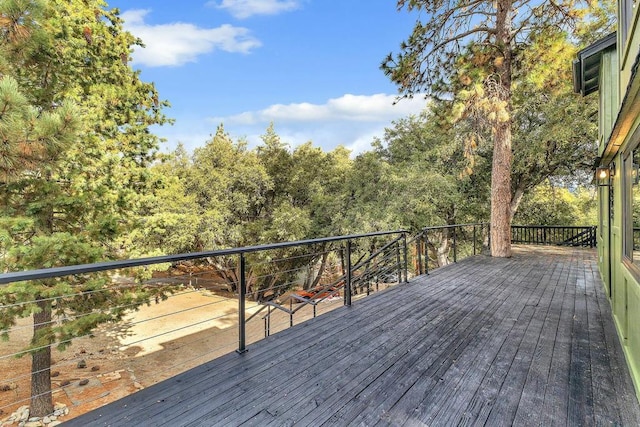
<point>440,227</point>
<point>47,273</point>
<point>572,227</point>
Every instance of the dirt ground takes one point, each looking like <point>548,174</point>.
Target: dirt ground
<point>149,345</point>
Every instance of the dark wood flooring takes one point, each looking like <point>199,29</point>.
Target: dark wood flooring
<point>525,341</point>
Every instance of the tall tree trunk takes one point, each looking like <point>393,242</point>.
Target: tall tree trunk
<point>515,201</point>
<point>440,252</point>
<point>501,192</point>
<point>323,265</point>
<point>502,155</point>
<point>41,399</point>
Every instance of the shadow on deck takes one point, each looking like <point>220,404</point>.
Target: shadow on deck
<point>523,341</point>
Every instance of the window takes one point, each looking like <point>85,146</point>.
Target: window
<point>627,7</point>
<point>631,189</point>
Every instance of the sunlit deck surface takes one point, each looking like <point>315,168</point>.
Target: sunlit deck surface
<point>521,341</point>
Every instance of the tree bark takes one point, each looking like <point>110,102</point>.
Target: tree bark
<point>318,276</point>
<point>440,252</point>
<point>502,155</point>
<point>515,202</point>
<point>501,192</point>
<point>41,399</point>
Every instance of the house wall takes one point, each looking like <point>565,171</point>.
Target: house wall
<point>621,281</point>
<point>628,42</point>
<point>620,275</point>
<point>608,111</point>
<point>609,96</point>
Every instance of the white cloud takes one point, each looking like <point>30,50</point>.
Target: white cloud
<point>350,120</point>
<point>352,108</point>
<point>177,43</point>
<point>242,9</point>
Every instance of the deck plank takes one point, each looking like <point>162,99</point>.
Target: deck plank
<point>423,361</point>
<point>484,342</point>
<point>557,389</point>
<point>532,397</point>
<point>365,360</point>
<point>421,400</point>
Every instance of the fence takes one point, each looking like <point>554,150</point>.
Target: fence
<point>439,246</point>
<point>584,236</point>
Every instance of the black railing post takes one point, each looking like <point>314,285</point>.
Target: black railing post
<point>455,246</point>
<point>474,239</point>
<point>241,307</point>
<point>426,253</point>
<point>419,252</point>
<point>406,259</point>
<point>267,322</point>
<point>347,285</point>
<point>398,263</point>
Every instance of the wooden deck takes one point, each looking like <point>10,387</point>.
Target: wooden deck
<point>522,341</point>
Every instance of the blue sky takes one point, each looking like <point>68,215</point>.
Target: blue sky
<point>308,66</point>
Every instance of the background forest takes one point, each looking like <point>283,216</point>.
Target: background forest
<point>430,169</point>
<point>80,168</point>
<point>226,194</point>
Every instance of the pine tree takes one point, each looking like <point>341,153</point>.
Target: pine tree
<point>476,44</point>
<point>75,145</point>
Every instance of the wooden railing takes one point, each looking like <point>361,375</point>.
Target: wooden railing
<point>559,235</point>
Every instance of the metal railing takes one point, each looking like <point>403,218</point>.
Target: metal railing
<point>380,269</point>
<point>203,306</point>
<point>584,236</point>
<point>441,245</point>
<point>210,303</point>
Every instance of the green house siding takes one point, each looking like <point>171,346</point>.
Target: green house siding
<point>604,231</point>
<point>609,99</point>
<point>618,87</point>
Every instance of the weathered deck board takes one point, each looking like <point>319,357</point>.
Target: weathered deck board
<point>521,341</point>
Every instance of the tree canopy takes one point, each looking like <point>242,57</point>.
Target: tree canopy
<point>76,146</point>
<point>471,51</point>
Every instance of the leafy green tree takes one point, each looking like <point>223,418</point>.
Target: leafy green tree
<point>166,217</point>
<point>587,205</point>
<point>371,192</point>
<point>469,50</point>
<point>309,192</point>
<point>555,130</point>
<point>276,157</point>
<point>547,204</point>
<point>432,184</point>
<point>231,186</point>
<point>235,201</point>
<point>75,131</point>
